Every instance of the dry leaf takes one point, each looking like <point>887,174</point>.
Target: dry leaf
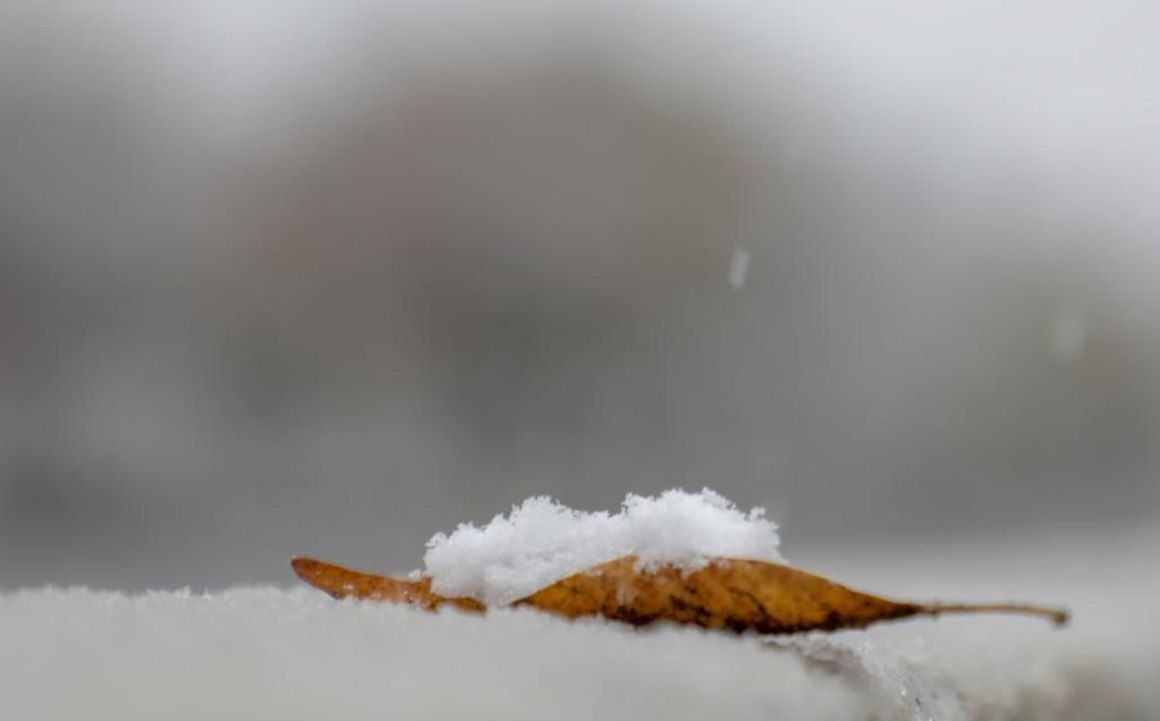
<point>343,582</point>
<point>737,594</point>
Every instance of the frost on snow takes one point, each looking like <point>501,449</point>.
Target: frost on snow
<point>542,541</point>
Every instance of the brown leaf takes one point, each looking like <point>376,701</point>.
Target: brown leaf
<point>738,594</point>
<point>343,582</point>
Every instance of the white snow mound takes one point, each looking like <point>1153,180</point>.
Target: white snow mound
<point>542,541</point>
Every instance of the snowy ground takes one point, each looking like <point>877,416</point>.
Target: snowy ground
<point>270,653</point>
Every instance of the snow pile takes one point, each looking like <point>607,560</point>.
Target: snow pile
<point>277,655</point>
<point>543,541</point>
<point>272,654</point>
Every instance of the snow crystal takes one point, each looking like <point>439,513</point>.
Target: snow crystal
<point>738,268</point>
<point>1069,336</point>
<point>543,541</point>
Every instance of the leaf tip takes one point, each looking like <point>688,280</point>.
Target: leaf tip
<point>300,564</point>
<point>309,570</point>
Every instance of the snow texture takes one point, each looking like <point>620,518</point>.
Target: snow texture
<point>543,541</point>
<point>258,654</point>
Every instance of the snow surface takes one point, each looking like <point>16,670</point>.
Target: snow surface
<point>543,541</point>
<point>267,653</point>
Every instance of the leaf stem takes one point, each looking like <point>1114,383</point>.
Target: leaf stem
<point>1058,616</point>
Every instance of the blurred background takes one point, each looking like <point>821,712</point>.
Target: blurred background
<point>328,276</point>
